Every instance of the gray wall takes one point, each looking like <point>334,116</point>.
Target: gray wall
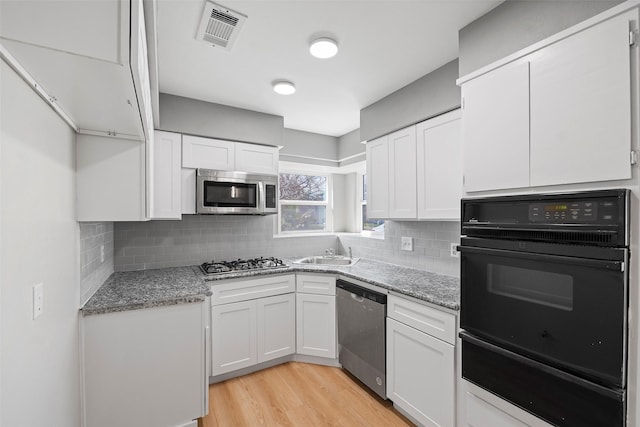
<point>351,148</point>
<point>430,95</point>
<point>431,244</point>
<point>93,271</point>
<point>200,238</point>
<point>186,115</point>
<point>308,147</point>
<point>40,363</point>
<point>514,25</point>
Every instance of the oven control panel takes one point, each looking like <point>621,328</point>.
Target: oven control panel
<point>574,212</point>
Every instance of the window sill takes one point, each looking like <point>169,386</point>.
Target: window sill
<point>366,234</point>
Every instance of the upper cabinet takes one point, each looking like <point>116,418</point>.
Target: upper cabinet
<point>415,173</point>
<point>96,70</point>
<point>217,154</point>
<point>560,114</point>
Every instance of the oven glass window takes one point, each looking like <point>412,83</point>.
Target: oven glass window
<point>536,286</point>
<point>226,194</point>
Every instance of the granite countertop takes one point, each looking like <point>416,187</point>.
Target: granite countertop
<point>435,288</point>
<point>132,290</point>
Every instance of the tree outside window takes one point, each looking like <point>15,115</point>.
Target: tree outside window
<point>303,202</point>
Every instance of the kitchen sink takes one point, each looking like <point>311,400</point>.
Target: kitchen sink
<point>328,260</point>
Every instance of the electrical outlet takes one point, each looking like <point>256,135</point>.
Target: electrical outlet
<point>454,250</point>
<point>101,253</point>
<point>38,300</point>
<point>406,243</point>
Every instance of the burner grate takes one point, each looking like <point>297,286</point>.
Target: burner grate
<point>262,263</point>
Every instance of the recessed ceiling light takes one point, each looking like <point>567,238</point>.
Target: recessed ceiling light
<point>284,87</point>
<point>323,48</point>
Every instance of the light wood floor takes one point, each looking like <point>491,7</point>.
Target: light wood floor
<point>297,394</point>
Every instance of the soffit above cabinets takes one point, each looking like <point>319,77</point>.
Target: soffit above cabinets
<point>78,52</point>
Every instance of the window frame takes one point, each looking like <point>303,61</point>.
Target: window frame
<point>363,202</point>
<point>328,203</point>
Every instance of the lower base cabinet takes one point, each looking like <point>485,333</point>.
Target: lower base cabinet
<point>250,332</point>
<point>146,367</point>
<point>420,373</point>
<point>316,316</point>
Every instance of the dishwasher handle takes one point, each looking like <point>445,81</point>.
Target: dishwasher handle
<point>358,293</point>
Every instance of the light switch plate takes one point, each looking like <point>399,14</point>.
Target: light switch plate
<point>406,244</point>
<point>38,300</point>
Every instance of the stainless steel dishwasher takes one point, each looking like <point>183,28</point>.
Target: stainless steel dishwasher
<point>362,334</point>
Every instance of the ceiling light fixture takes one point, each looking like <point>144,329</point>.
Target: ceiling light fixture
<point>284,87</point>
<point>323,48</point>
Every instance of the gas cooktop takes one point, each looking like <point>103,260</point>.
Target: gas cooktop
<point>219,267</point>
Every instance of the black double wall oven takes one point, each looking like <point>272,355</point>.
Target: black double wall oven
<point>544,299</point>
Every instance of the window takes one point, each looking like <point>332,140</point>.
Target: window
<point>369,226</point>
<point>304,203</point>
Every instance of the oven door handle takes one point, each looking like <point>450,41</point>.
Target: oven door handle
<point>583,262</point>
<point>610,393</point>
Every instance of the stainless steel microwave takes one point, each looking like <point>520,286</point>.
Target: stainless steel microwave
<point>225,192</point>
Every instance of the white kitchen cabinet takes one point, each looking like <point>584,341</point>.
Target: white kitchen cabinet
<point>253,321</point>
<point>208,153</point>
<point>188,177</point>
<point>111,179</point>
<point>421,367</point>
<point>233,336</point>
<point>391,175</point>
<point>316,315</point>
<point>581,107</point>
<point>559,113</point>
<point>146,367</point>
<point>259,159</point>
<point>439,173</point>
<point>377,152</point>
<point>91,57</point>
<point>276,318</point>
<point>217,154</point>
<point>165,177</point>
<point>495,120</point>
<point>402,174</point>
<point>315,284</point>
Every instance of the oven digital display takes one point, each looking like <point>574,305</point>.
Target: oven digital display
<point>555,208</point>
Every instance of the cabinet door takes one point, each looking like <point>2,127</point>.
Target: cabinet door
<point>110,179</point>
<point>495,129</point>
<point>165,151</point>
<point>254,158</point>
<point>482,414</point>
<point>439,154</point>
<point>276,326</point>
<point>188,191</point>
<point>316,325</point>
<point>378,178</point>
<point>420,375</point>
<point>207,153</point>
<point>233,336</point>
<point>581,107</point>
<point>402,173</point>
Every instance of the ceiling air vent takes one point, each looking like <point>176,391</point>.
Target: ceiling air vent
<point>220,26</point>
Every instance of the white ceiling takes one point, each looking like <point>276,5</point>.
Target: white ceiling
<point>384,45</point>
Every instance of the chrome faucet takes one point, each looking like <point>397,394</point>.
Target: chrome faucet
<point>350,254</point>
<point>330,253</point>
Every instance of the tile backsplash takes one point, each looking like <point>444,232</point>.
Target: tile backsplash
<point>93,271</point>
<point>200,238</point>
<point>431,245</point>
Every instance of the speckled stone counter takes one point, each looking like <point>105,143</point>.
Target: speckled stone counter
<point>134,290</point>
<point>431,287</point>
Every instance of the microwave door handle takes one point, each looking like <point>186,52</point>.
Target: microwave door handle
<point>582,262</point>
<point>610,393</point>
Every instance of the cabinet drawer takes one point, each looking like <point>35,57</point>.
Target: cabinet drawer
<point>426,319</point>
<point>241,290</point>
<point>316,284</point>
<point>482,414</point>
